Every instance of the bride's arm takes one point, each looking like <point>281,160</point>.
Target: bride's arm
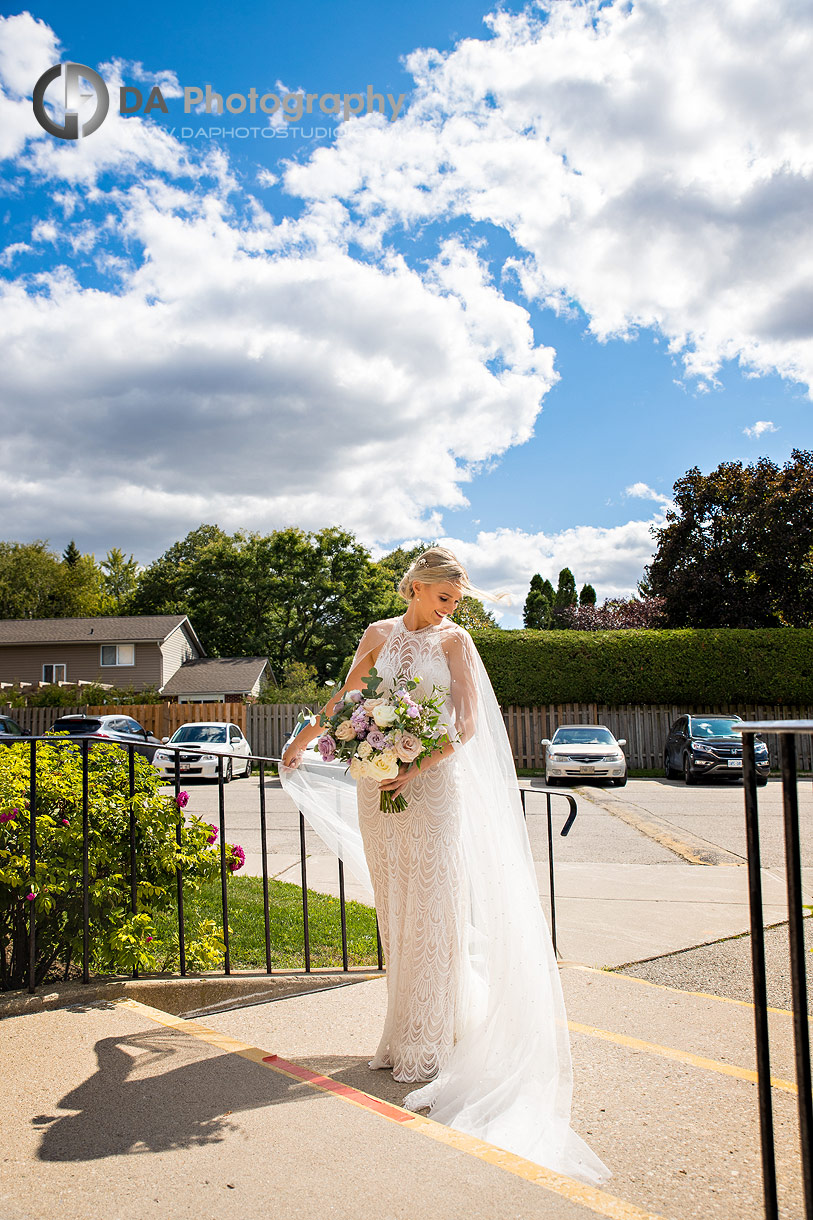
<point>463,692</point>
<point>366,658</point>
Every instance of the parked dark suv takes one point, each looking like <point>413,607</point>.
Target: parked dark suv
<point>121,729</point>
<point>709,745</point>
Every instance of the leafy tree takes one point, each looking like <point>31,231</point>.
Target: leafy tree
<point>587,597</point>
<point>289,595</point>
<point>538,610</point>
<point>36,583</point>
<point>119,579</point>
<point>396,563</point>
<point>737,548</point>
<point>472,614</point>
<point>71,555</point>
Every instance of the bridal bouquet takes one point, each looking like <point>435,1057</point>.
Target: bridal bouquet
<point>375,733</point>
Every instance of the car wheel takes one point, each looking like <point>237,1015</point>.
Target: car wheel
<point>762,781</point>
<point>227,773</point>
<point>550,781</point>
<point>689,776</point>
<point>247,771</point>
<point>619,783</point>
<point>667,766</point>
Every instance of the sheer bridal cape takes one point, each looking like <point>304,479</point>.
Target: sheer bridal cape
<point>508,1080</point>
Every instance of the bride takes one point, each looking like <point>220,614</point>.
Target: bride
<point>474,1001</point>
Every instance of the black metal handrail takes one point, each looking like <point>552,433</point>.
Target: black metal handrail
<point>571,817</point>
<point>787,731</point>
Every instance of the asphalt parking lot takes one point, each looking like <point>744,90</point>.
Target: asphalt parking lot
<point>650,821</point>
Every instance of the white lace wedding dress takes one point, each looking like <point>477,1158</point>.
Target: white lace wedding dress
<point>475,1003</point>
<point>416,865</point>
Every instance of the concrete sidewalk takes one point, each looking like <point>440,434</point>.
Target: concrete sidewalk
<point>121,1110</point>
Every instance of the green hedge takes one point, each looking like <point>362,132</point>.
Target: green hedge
<point>720,665</point>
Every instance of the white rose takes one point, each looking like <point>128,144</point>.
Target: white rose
<point>352,696</point>
<point>364,750</point>
<point>384,715</point>
<point>357,768</point>
<point>345,731</point>
<point>385,766</point>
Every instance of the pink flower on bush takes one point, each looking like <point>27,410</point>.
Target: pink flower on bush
<point>65,822</point>
<point>213,835</point>
<point>30,896</point>
<point>9,817</point>
<point>182,800</point>
<point>237,857</point>
<point>327,747</point>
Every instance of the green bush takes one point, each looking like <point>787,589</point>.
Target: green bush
<point>720,665</point>
<point>119,940</point>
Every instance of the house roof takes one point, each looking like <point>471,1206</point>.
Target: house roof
<point>216,676</point>
<point>110,630</point>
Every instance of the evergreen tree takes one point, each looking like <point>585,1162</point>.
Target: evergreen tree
<point>587,597</point>
<point>71,555</point>
<point>565,591</point>
<point>538,608</point>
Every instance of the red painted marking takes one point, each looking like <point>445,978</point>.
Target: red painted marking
<point>341,1090</point>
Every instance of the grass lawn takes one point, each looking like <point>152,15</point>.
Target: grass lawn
<point>247,927</point>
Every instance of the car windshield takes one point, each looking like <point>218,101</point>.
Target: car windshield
<point>583,737</point>
<point>708,727</point>
<point>208,733</point>
<point>76,726</point>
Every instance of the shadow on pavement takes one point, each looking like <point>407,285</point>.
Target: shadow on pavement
<point>157,1091</point>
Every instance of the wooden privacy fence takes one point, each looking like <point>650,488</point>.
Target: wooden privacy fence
<point>644,726</point>
<point>267,725</point>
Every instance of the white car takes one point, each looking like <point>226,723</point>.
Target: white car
<point>584,751</point>
<point>205,742</point>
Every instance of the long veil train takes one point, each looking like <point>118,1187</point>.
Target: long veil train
<point>509,1078</point>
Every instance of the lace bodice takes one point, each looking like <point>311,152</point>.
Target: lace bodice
<point>440,656</point>
<point>417,655</point>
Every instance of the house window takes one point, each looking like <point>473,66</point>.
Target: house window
<point>118,654</point>
<point>54,673</point>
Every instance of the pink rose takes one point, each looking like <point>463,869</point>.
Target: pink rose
<point>408,747</point>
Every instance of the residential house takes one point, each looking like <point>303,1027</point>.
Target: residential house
<point>140,651</point>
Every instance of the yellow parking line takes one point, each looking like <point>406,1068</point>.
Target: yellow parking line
<point>671,1052</point>
<point>703,995</point>
<point>591,1197</point>
<point>691,849</point>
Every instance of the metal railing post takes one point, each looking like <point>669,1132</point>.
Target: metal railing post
<point>801,1034</point>
<point>85,865</point>
<point>32,868</point>
<point>763,1051</point>
<point>264,855</point>
<point>224,888</point>
<point>133,873</point>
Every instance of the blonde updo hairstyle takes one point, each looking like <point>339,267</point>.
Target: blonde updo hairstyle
<point>436,566</point>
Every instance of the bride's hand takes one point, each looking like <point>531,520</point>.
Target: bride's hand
<point>292,756</point>
<point>397,785</point>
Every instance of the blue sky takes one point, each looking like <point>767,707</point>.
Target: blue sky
<point>577,264</point>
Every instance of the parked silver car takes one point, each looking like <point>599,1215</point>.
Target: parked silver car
<point>205,742</point>
<point>584,751</point>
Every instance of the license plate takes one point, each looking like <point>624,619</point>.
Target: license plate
<point>586,770</point>
<point>735,762</point>
<point>186,767</point>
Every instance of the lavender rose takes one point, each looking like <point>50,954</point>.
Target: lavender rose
<point>327,747</point>
<point>376,739</point>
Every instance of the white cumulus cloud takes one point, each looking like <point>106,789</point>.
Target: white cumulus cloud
<point>762,425</point>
